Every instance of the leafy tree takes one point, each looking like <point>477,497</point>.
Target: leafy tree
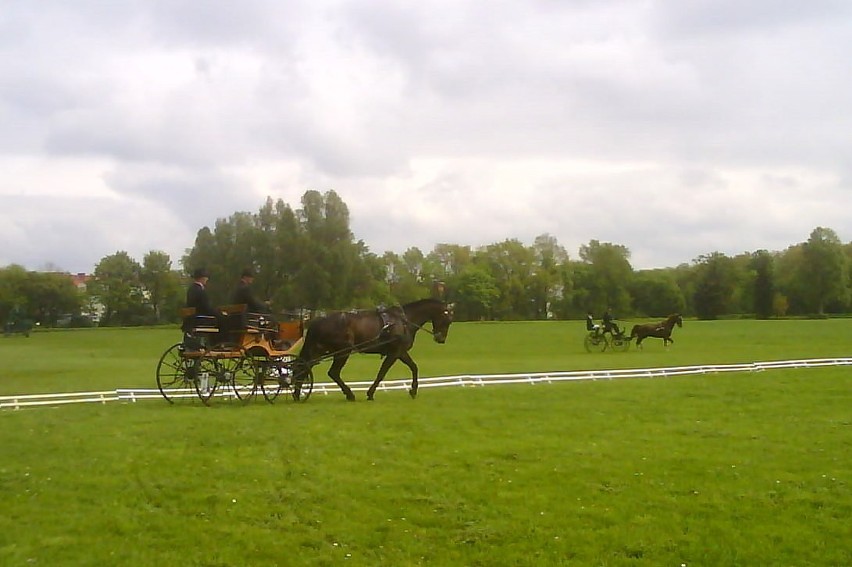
<point>14,280</point>
<point>511,264</point>
<point>610,275</point>
<point>715,285</point>
<point>117,286</point>
<point>546,284</point>
<point>162,285</point>
<point>789,281</point>
<point>474,294</point>
<point>52,295</point>
<point>656,293</point>
<point>405,275</point>
<point>825,270</point>
<point>764,284</point>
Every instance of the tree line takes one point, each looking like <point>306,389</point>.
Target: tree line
<point>308,259</point>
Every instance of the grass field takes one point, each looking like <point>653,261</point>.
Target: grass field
<point>732,469</point>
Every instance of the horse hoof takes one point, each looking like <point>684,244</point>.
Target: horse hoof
<point>350,398</point>
<point>413,394</point>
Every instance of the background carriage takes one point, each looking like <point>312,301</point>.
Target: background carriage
<point>17,324</point>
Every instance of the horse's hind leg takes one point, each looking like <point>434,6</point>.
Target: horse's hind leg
<point>334,374</point>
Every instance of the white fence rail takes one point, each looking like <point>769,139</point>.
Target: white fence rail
<point>139,394</point>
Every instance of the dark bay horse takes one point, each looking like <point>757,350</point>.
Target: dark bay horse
<point>340,334</point>
<point>661,330</point>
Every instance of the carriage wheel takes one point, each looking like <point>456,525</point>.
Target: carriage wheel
<point>243,372</point>
<point>595,342</point>
<point>206,374</point>
<point>274,378</point>
<point>303,381</point>
<point>232,375</point>
<point>173,378</point>
<point>620,343</point>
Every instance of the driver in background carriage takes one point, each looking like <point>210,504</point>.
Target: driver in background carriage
<point>609,325</point>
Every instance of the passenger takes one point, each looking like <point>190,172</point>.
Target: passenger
<point>196,296</point>
<point>590,322</point>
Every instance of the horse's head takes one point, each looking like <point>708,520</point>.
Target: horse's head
<point>678,319</point>
<point>441,322</point>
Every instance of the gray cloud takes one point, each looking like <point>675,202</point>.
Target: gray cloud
<point>675,129</point>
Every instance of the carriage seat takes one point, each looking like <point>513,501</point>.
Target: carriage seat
<point>240,320</point>
<point>193,323</point>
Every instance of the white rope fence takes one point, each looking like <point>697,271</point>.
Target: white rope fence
<point>463,380</point>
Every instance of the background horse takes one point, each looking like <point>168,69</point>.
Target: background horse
<point>661,330</point>
<point>341,334</point>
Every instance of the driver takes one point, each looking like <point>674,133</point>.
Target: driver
<point>609,325</point>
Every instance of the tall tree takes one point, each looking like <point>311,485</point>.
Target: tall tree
<point>54,295</point>
<point>824,268</point>
<point>715,285</point>
<point>475,293</point>
<point>656,293</point>
<point>14,281</point>
<point>764,284</point>
<point>545,283</point>
<point>511,264</point>
<point>117,286</point>
<point>611,274</point>
<point>162,285</point>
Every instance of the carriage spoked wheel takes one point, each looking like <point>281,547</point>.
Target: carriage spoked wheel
<point>302,380</point>
<point>620,343</point>
<point>273,378</point>
<point>244,376</point>
<point>232,376</point>
<point>206,375</point>
<point>174,379</point>
<point>595,342</point>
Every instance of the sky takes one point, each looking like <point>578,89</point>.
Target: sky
<point>675,128</point>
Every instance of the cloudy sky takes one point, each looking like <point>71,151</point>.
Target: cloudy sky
<point>676,128</point>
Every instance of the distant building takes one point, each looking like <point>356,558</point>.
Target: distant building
<point>81,280</point>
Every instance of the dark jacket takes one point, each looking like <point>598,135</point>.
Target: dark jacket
<point>244,295</point>
<point>196,296</point>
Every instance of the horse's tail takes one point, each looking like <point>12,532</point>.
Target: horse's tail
<point>308,342</point>
<point>634,332</point>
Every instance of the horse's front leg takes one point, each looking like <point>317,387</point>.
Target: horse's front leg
<point>406,359</point>
<point>334,374</point>
<point>383,370</point>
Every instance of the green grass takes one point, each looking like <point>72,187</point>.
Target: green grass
<point>104,359</point>
<point>728,469</point>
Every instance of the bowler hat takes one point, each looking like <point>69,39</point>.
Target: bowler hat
<point>200,273</point>
<point>247,273</point>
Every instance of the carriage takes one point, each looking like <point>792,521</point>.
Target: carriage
<point>17,325</point>
<point>598,340</point>
<point>251,354</point>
